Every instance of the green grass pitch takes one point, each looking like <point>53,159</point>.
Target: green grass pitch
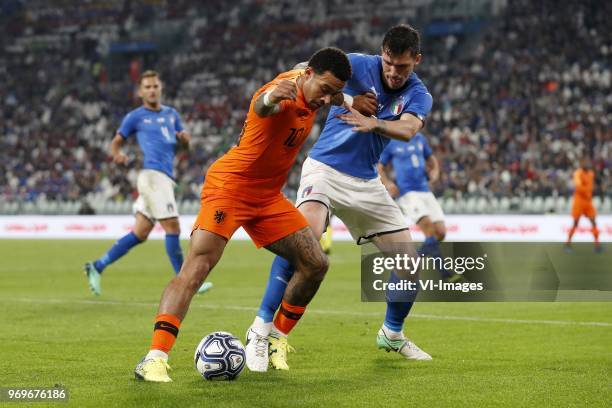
<point>54,331</point>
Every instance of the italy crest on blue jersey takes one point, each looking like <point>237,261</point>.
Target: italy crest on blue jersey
<point>356,153</point>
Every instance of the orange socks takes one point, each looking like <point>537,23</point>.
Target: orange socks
<point>165,332</point>
<point>287,317</point>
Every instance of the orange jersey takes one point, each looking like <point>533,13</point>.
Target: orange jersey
<point>258,165</point>
<point>583,183</point>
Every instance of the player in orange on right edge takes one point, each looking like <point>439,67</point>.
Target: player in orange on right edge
<point>583,202</point>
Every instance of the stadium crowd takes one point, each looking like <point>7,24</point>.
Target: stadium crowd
<point>515,105</point>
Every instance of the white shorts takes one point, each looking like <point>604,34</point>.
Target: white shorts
<point>155,195</point>
<point>419,204</point>
<point>365,206</point>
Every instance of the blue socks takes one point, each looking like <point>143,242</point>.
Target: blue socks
<point>173,249</point>
<point>431,248</point>
<point>396,314</point>
<point>124,244</point>
<point>280,274</point>
<point>120,248</point>
<point>399,303</point>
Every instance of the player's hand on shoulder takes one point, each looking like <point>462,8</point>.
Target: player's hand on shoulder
<point>120,158</point>
<point>366,104</point>
<point>284,90</point>
<point>359,122</point>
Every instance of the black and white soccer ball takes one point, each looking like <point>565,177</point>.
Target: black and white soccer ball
<point>220,356</point>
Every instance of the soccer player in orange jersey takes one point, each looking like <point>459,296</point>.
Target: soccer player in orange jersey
<point>583,202</point>
<point>243,189</point>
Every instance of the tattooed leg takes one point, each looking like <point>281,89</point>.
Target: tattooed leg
<point>303,251</point>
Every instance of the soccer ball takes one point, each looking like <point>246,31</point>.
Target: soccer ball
<point>219,356</point>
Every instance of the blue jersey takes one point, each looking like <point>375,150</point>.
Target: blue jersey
<point>355,153</point>
<point>156,134</point>
<point>408,160</point>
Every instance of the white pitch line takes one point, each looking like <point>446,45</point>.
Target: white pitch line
<point>322,312</point>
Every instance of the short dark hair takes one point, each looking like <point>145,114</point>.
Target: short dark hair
<point>148,74</point>
<point>333,60</point>
<point>402,38</point>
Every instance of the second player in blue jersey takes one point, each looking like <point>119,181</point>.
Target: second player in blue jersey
<point>408,160</point>
<point>156,132</point>
<point>415,167</point>
<point>357,153</point>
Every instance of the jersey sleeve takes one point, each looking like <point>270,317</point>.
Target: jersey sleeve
<point>426,148</point>
<point>178,124</point>
<point>419,105</point>
<point>358,61</point>
<point>360,66</point>
<point>386,155</point>
<point>270,87</point>
<point>128,125</point>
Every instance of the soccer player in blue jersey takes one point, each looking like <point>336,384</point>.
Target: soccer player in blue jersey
<point>415,167</point>
<point>340,177</point>
<point>159,131</point>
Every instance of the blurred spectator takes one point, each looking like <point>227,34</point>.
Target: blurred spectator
<point>86,208</point>
<point>511,115</point>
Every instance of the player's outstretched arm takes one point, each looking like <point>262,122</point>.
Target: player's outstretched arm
<point>268,103</point>
<point>404,129</point>
<point>118,156</point>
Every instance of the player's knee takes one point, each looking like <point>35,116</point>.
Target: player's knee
<point>189,282</point>
<point>316,267</point>
<point>324,265</point>
<point>142,235</point>
<point>439,231</point>
<point>194,282</point>
<point>176,231</point>
<point>172,226</point>
<point>194,271</point>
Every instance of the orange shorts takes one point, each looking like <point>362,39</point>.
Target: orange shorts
<point>583,207</point>
<point>265,220</point>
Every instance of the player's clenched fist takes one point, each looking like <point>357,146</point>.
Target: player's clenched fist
<point>284,90</point>
<point>366,104</point>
